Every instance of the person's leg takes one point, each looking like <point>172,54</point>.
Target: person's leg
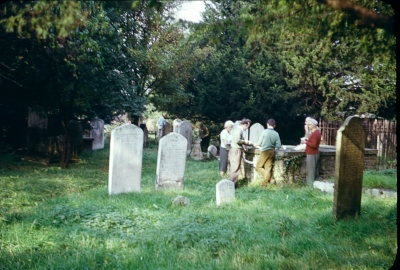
<point>222,161</point>
<point>269,162</point>
<point>234,160</point>
<point>311,169</point>
<point>260,165</point>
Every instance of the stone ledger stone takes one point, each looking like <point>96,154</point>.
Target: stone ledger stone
<point>126,153</point>
<point>171,162</point>
<point>349,168</point>
<point>97,133</point>
<point>225,191</point>
<point>186,130</point>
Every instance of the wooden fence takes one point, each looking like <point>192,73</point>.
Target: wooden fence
<point>380,135</point>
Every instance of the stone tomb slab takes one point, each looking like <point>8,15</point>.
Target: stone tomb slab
<point>225,191</point>
<point>171,161</point>
<point>126,154</point>
<point>349,168</point>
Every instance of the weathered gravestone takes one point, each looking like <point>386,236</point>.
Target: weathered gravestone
<point>225,191</point>
<point>167,129</point>
<point>255,132</point>
<point>97,133</point>
<point>125,167</point>
<point>212,151</point>
<point>196,153</point>
<point>185,129</point>
<point>37,117</point>
<point>171,161</point>
<point>349,168</point>
<point>176,124</point>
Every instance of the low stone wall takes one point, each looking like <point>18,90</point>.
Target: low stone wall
<point>290,165</point>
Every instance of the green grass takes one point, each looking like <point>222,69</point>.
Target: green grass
<point>65,219</point>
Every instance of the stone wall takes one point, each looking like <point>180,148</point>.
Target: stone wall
<point>290,165</point>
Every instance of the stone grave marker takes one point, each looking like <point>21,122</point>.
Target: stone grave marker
<point>255,132</point>
<point>176,124</point>
<point>349,169</point>
<point>171,161</point>
<point>37,117</point>
<point>212,151</point>
<point>126,152</point>
<point>196,153</point>
<point>97,133</point>
<point>225,191</point>
<point>185,129</point>
<point>167,129</point>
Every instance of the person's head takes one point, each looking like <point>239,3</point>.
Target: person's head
<point>307,119</point>
<point>229,125</point>
<point>245,123</point>
<point>271,122</point>
<point>312,124</point>
<point>201,126</point>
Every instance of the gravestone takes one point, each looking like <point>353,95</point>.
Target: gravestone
<point>167,129</point>
<point>212,151</point>
<point>125,167</point>
<point>176,124</point>
<point>97,133</point>
<point>349,168</point>
<point>225,191</point>
<point>171,161</point>
<point>180,201</point>
<point>196,153</point>
<point>145,137</point>
<point>255,132</point>
<point>185,129</point>
<point>37,117</point>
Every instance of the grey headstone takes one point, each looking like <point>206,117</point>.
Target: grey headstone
<point>180,200</point>
<point>349,168</point>
<point>196,153</point>
<point>255,132</point>
<point>37,117</point>
<point>171,161</point>
<point>97,132</point>
<point>225,191</point>
<point>212,151</point>
<point>185,129</point>
<point>126,152</point>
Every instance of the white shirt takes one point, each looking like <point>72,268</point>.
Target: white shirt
<point>225,135</point>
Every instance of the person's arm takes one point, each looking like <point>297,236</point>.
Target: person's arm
<point>207,133</point>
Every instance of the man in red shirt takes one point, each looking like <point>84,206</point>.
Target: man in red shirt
<point>312,151</point>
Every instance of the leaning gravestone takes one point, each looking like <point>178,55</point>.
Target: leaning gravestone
<point>125,167</point>
<point>255,132</point>
<point>97,133</point>
<point>196,153</point>
<point>212,151</point>
<point>37,117</point>
<point>185,129</point>
<point>225,191</point>
<point>171,161</point>
<point>349,168</point>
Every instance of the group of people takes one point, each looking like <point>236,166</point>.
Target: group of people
<point>232,143</point>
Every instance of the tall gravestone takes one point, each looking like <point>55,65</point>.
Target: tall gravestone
<point>186,130</point>
<point>349,168</point>
<point>126,152</point>
<point>176,124</point>
<point>196,153</point>
<point>255,132</point>
<point>225,191</point>
<point>171,161</point>
<point>97,133</point>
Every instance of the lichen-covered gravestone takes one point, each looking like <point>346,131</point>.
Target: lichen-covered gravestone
<point>97,133</point>
<point>186,130</point>
<point>349,168</point>
<point>171,161</point>
<point>225,191</point>
<point>126,152</point>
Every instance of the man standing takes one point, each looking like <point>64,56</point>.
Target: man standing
<point>312,151</point>
<point>268,142</point>
<point>161,123</point>
<point>235,153</point>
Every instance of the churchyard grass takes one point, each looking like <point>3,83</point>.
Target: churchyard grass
<point>65,219</point>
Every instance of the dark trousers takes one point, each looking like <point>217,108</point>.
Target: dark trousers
<point>264,165</point>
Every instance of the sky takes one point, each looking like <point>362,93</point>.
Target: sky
<point>191,10</point>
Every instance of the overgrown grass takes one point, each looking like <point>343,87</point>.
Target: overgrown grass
<point>64,219</point>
